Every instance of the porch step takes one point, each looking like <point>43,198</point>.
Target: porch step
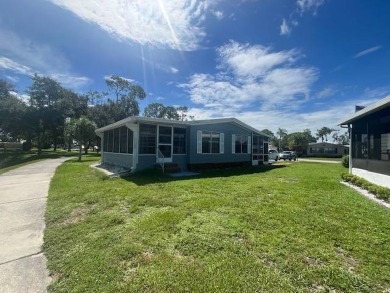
<point>169,168</point>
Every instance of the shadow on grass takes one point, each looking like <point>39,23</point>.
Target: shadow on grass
<point>152,176</point>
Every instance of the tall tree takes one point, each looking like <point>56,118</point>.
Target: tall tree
<point>323,133</point>
<point>84,133</point>
<point>158,110</point>
<point>12,112</point>
<point>282,138</point>
<point>126,95</point>
<point>50,104</point>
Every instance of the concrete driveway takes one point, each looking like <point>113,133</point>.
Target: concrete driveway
<point>23,194</point>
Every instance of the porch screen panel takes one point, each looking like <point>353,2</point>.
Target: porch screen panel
<point>110,141</point>
<point>123,139</point>
<point>130,136</point>
<point>147,139</point>
<point>105,141</point>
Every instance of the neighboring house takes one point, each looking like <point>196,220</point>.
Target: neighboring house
<point>369,130</point>
<point>326,150</point>
<point>138,143</point>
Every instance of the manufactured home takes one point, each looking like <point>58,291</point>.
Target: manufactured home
<point>369,129</point>
<point>139,143</point>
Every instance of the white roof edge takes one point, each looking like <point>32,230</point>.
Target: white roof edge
<point>177,122</point>
<point>374,107</point>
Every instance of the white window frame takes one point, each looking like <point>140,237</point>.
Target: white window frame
<point>249,138</point>
<point>199,135</point>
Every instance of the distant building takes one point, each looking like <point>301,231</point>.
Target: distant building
<point>328,150</point>
<point>369,130</point>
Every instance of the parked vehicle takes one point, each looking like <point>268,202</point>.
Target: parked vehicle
<point>273,155</point>
<point>288,155</point>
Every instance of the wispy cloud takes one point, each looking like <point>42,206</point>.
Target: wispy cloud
<point>326,92</point>
<point>175,24</point>
<point>309,5</point>
<point>367,51</point>
<point>252,77</point>
<point>173,70</point>
<point>285,29</point>
<point>25,57</point>
<point>218,14</point>
<point>302,7</point>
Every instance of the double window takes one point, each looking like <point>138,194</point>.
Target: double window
<point>210,142</point>
<point>118,140</point>
<point>241,144</point>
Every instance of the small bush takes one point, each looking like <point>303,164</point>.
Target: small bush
<point>345,161</point>
<point>379,191</point>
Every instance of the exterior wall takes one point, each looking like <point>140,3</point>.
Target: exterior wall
<point>228,129</point>
<point>376,178</point>
<point>123,160</point>
<point>377,166</point>
<point>149,161</point>
<point>341,150</point>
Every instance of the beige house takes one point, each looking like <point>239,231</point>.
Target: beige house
<point>328,150</point>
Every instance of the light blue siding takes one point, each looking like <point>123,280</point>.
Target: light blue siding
<point>123,160</point>
<point>228,129</point>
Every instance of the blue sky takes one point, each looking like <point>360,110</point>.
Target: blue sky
<point>293,64</point>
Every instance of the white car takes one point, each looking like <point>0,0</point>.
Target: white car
<point>273,155</point>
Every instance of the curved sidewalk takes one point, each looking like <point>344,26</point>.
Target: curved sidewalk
<point>23,194</point>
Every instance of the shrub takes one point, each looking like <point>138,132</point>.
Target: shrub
<point>345,161</point>
<point>378,191</point>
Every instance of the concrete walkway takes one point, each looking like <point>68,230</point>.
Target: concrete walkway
<point>23,194</point>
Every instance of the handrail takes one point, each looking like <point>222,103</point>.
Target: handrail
<point>161,156</point>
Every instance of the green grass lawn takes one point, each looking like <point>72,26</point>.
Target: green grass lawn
<point>282,228</point>
<point>13,159</point>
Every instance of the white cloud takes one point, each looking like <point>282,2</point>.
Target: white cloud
<point>174,24</point>
<point>8,64</point>
<point>289,119</point>
<point>367,51</point>
<point>285,29</point>
<point>303,6</point>
<point>25,57</point>
<point>309,5</point>
<point>252,77</point>
<point>218,14</point>
<point>173,70</point>
<point>108,77</point>
<point>326,92</point>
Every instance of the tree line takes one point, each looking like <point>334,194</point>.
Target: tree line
<point>298,141</point>
<point>49,115</point>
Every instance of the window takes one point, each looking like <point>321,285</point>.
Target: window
<point>179,140</point>
<point>240,144</point>
<point>147,135</point>
<point>210,142</point>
